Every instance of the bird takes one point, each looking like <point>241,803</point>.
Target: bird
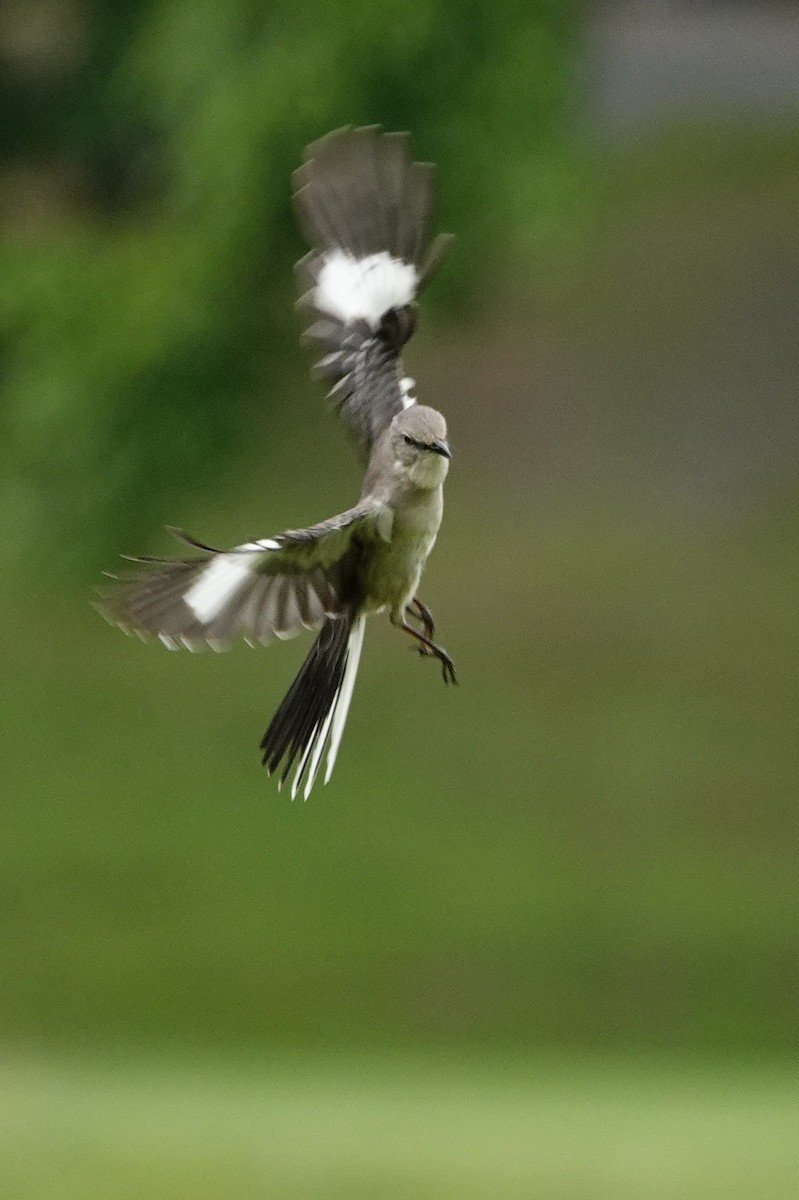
<point>366,210</point>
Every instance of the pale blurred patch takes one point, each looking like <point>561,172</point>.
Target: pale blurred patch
<point>384,1128</point>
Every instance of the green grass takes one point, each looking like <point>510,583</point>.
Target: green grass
<point>384,1129</point>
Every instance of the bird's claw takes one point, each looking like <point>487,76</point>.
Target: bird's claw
<point>428,649</point>
<point>447,668</point>
<point>447,665</point>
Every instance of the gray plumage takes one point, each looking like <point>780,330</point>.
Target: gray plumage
<point>366,209</point>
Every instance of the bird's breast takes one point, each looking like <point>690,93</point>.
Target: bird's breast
<point>395,565</point>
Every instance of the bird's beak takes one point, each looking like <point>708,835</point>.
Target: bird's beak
<point>441,447</point>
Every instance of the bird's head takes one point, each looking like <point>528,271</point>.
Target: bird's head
<point>419,443</point>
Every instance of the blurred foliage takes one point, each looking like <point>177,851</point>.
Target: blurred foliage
<point>142,328</point>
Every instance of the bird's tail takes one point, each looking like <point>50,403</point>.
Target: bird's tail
<point>314,710</point>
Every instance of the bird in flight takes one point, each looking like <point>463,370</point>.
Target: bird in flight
<point>366,210</point>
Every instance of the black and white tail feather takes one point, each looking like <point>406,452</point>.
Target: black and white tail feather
<point>314,710</point>
<point>366,210</point>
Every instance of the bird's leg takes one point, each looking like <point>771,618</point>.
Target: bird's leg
<point>422,613</point>
<point>430,648</point>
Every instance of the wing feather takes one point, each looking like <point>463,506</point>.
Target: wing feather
<point>260,590</point>
<point>367,210</point>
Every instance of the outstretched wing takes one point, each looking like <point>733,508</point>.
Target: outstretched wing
<point>261,590</point>
<point>367,209</point>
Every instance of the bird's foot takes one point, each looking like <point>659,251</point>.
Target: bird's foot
<point>421,613</point>
<point>447,665</point>
<point>429,649</point>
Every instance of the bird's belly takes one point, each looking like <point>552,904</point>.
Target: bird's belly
<point>396,566</point>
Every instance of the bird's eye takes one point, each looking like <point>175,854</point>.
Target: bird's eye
<point>417,445</point>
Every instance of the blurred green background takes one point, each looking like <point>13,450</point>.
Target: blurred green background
<point>539,935</point>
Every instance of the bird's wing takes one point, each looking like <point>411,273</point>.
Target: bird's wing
<point>366,209</point>
<point>260,590</point>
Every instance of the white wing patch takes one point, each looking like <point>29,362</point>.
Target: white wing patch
<point>224,576</point>
<point>363,289</point>
<point>217,585</point>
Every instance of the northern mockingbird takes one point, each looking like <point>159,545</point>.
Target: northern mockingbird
<point>366,209</point>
